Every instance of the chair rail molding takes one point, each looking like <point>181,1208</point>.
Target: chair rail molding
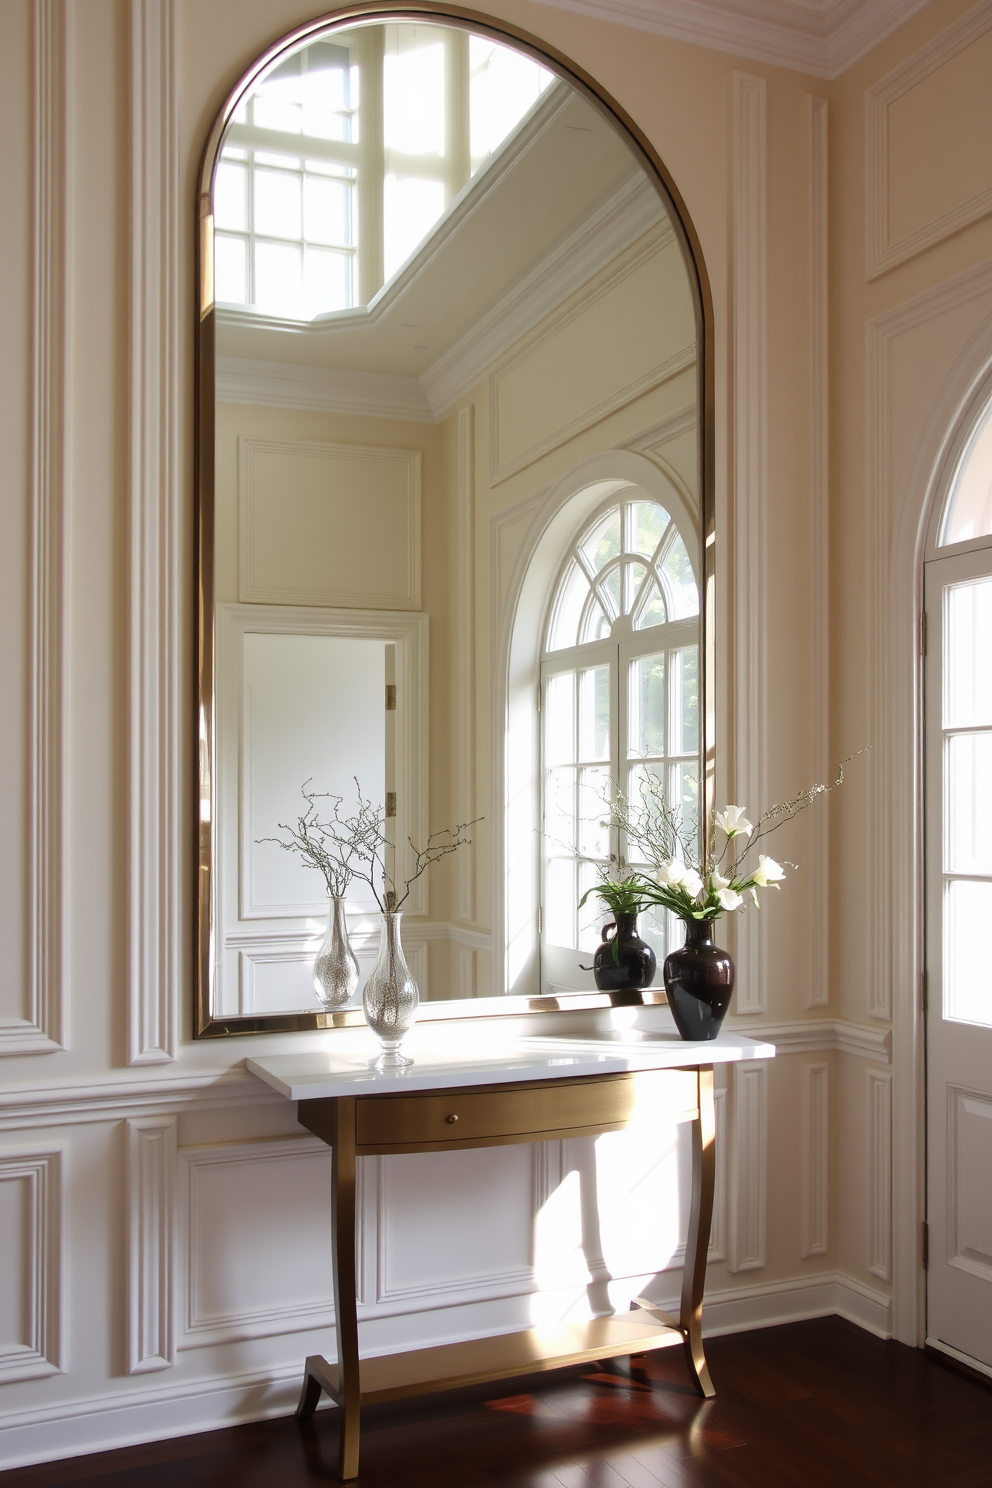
<point>749,373</point>
<point>897,536</point>
<point>155,828</point>
<point>42,1030</point>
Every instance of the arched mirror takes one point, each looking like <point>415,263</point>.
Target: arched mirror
<point>455,523</point>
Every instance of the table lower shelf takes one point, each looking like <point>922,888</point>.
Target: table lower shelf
<point>450,1365</point>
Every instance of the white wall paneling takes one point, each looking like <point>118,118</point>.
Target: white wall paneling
<point>816,1160</point>
<point>151,1243</point>
<point>880,1173</point>
<point>256,1221</point>
<point>155,642</point>
<point>749,1166</point>
<point>818,879</point>
<point>465,659</point>
<point>42,1028</point>
<point>885,246</point>
<point>31,1243</point>
<point>749,315</point>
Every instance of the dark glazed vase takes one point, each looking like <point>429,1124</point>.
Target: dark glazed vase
<point>624,961</point>
<point>699,980</point>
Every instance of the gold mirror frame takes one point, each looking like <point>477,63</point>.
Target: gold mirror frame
<point>205,1024</point>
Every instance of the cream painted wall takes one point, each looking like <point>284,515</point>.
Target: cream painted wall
<point>91,1118</point>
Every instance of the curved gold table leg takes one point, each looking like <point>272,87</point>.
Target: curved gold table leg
<point>698,1238</point>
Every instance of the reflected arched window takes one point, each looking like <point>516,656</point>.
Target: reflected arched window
<point>619,699</point>
<point>968,509</point>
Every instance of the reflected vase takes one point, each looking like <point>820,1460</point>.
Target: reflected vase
<point>335,969</point>
<point>699,981</point>
<point>623,961</point>
<point>390,998</point>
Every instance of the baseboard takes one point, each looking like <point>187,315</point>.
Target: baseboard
<point>185,1407</point>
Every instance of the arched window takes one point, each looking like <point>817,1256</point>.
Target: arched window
<point>619,699</point>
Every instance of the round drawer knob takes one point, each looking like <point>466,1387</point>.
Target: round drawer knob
<point>451,1120</point>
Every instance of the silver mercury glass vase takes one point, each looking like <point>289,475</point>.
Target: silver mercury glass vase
<point>335,969</point>
<point>390,998</point>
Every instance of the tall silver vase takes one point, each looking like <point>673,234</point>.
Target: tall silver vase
<point>390,998</point>
<point>335,969</point>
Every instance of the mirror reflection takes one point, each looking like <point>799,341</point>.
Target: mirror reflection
<point>454,523</point>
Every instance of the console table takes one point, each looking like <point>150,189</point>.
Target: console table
<point>531,1090</point>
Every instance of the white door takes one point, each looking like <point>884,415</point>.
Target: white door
<point>959,954</point>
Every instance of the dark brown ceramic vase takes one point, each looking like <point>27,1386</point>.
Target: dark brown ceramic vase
<point>699,980</point>
<point>623,960</point>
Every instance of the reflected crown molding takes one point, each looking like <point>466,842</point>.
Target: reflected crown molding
<point>625,217</point>
<point>821,37</point>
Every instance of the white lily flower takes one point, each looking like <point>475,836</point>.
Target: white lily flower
<point>671,874</point>
<point>733,822</point>
<point>717,880</point>
<point>729,899</point>
<point>767,872</point>
<point>691,881</point>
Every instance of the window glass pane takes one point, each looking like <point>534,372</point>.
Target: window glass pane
<point>327,281</point>
<point>603,542</point>
<point>648,522</point>
<point>231,269</point>
<point>559,809</point>
<point>610,587</point>
<point>327,211</point>
<point>278,206</point>
<point>593,915</point>
<point>594,805</point>
<point>646,706</point>
<point>410,209</point>
<point>271,110</point>
<point>684,793</point>
<point>597,624</point>
<point>277,162</point>
<point>559,720</point>
<point>633,577</point>
<point>231,196</point>
<point>968,803</point>
<point>684,715</point>
<point>279,278</point>
<point>413,92</point>
<point>678,582</point>
<point>969,500</point>
<point>503,85</point>
<point>594,713</point>
<point>568,609</point>
<point>967,984</point>
<point>560,901</point>
<point>652,926</point>
<point>967,653</point>
<point>652,610</point>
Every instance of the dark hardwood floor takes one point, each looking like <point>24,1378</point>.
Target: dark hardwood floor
<point>817,1403</point>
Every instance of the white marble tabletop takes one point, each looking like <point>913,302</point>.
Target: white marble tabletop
<point>447,1058</point>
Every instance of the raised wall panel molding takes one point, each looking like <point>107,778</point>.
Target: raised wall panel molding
<point>204,1326</point>
<point>151,1244</point>
<point>880,1173</point>
<point>622,266</point>
<point>749,320</point>
<point>155,636</point>
<point>631,211</point>
<point>34,1272</point>
<point>252,590</point>
<point>820,37</point>
<point>323,389</point>
<point>816,1160</point>
<point>42,1029</point>
<point>818,879</point>
<point>884,252</point>
<point>748,1180</point>
<point>465,659</point>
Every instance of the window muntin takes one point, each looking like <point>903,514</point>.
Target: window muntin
<point>968,508</point>
<point>326,185</point>
<point>620,700</point>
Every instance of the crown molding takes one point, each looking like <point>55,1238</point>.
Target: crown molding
<point>324,389</point>
<point>820,37</point>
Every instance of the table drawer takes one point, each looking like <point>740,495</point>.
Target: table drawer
<point>465,1116</point>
